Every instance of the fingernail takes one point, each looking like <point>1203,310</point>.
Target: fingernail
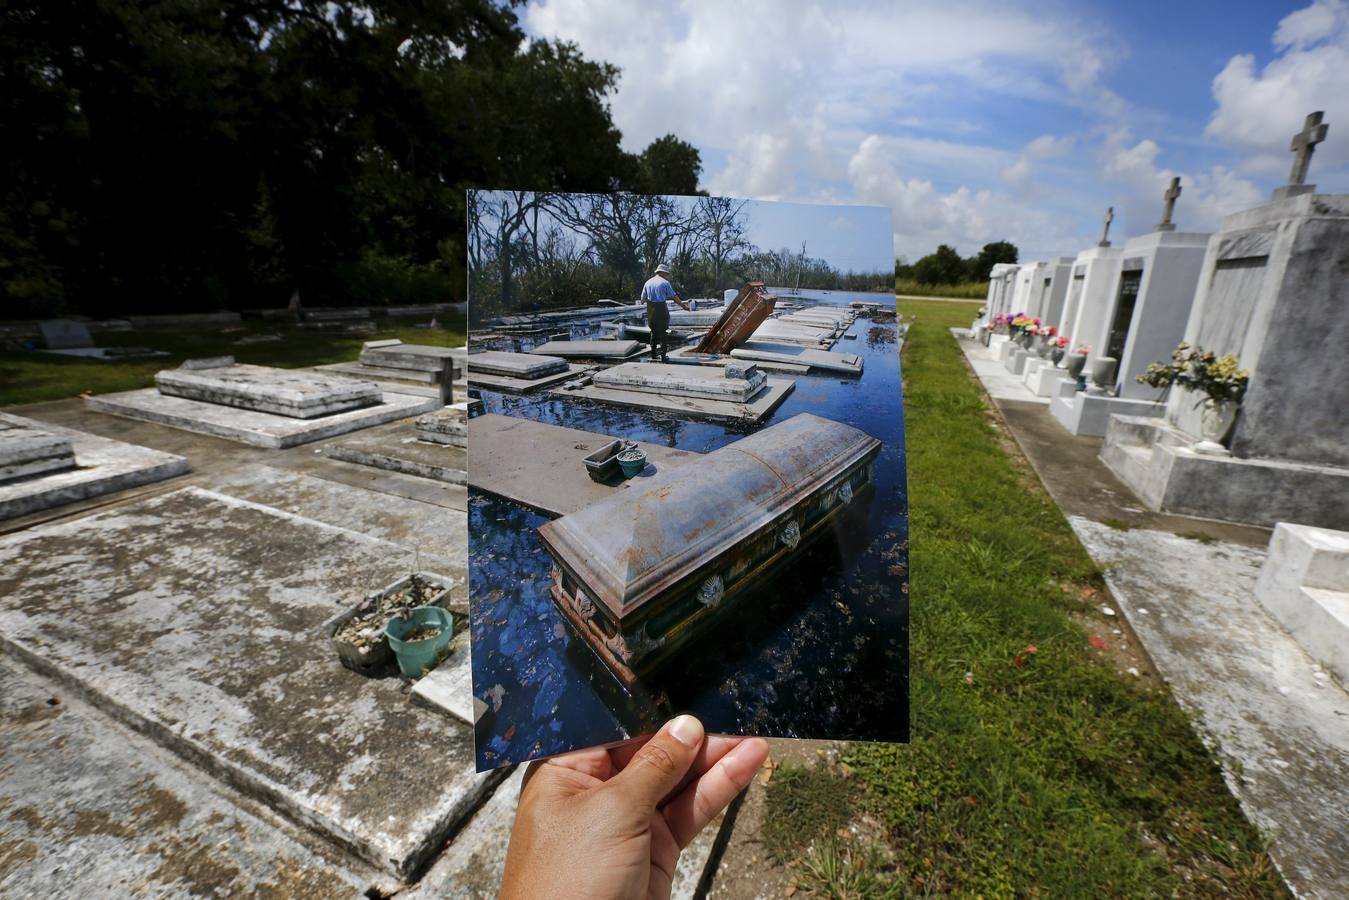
<point>687,730</point>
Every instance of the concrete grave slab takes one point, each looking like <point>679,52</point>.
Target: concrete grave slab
<point>438,532</point>
<point>27,449</point>
<point>95,810</point>
<point>405,452</point>
<point>445,426</point>
<point>753,412</point>
<point>606,350</point>
<point>823,360</point>
<point>675,380</point>
<point>525,366</point>
<point>689,356</point>
<point>282,392</point>
<point>1083,413</point>
<point>414,357</point>
<point>208,610</point>
<point>257,428</point>
<point>1275,720</point>
<point>540,465</point>
<point>101,466</point>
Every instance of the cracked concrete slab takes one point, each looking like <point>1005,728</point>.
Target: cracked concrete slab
<point>194,618</point>
<point>91,809</point>
<point>1277,722</point>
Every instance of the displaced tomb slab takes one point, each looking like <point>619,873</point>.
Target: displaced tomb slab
<point>260,429</point>
<point>606,350</point>
<point>753,413</point>
<point>407,454</point>
<point>823,360</point>
<point>525,366</point>
<point>101,466</point>
<point>682,381</point>
<point>282,392</point>
<point>445,426</point>
<point>208,612</point>
<point>540,465</point>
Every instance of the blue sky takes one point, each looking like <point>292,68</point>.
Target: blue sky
<point>849,238</point>
<point>980,120</point>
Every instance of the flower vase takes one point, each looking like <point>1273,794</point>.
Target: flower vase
<point>1215,424</point>
<point>1057,355</point>
<point>1043,349</point>
<point>1074,366</point>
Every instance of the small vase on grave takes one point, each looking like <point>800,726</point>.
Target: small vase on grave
<point>1215,424</point>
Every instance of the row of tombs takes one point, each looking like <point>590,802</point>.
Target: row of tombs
<point>1215,368</point>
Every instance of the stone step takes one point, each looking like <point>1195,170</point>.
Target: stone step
<point>1304,584</point>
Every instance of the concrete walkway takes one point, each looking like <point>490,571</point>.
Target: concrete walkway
<point>1276,722</point>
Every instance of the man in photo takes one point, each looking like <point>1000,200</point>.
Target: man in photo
<point>656,292</point>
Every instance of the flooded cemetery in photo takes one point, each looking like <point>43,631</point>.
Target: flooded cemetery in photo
<point>723,533</point>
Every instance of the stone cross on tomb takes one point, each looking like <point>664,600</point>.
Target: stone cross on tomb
<point>1105,232</point>
<point>1171,194</point>
<point>1302,146</point>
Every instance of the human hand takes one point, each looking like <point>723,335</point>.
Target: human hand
<point>610,823</point>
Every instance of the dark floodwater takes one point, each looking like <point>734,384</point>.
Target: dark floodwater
<point>821,651</point>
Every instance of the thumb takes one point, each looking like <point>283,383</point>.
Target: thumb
<point>659,767</point>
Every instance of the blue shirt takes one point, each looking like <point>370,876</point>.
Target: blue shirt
<point>657,290</point>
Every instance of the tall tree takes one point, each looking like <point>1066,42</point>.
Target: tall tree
<point>943,266</point>
<point>997,252</point>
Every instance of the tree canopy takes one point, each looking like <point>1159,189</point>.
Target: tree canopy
<point>944,266</point>
<point>177,155</point>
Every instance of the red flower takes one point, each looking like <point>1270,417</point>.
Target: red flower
<point>1096,642</point>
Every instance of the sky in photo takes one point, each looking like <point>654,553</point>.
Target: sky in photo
<point>980,120</point>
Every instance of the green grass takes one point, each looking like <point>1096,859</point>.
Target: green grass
<point>969,290</point>
<point>30,377</point>
<point>1057,777</point>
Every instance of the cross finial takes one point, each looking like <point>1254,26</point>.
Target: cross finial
<point>1171,194</point>
<point>1304,142</point>
<point>1105,232</point>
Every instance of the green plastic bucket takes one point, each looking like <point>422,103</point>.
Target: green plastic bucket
<point>635,462</point>
<point>414,656</point>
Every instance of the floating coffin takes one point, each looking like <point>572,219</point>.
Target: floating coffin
<point>527,366</point>
<point>589,349</point>
<point>26,451</point>
<point>448,425</point>
<point>735,384</point>
<point>646,570</point>
<point>283,392</point>
<point>395,354</point>
<point>751,306</point>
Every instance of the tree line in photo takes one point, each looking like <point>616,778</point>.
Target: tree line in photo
<point>189,155</point>
<point>531,251</point>
<point>945,272</point>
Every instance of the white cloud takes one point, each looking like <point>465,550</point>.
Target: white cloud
<point>1206,195</point>
<point>1046,146</point>
<point>1259,109</point>
<point>965,218</point>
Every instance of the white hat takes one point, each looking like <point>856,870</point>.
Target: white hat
<point>662,268</point>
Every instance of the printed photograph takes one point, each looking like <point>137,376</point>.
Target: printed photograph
<point>686,470</point>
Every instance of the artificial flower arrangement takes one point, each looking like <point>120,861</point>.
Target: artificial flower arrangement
<point>1083,349</point>
<point>1049,331</point>
<point>1216,377</point>
<point>1061,341</point>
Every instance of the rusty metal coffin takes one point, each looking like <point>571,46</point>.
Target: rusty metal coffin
<point>642,572</point>
<point>739,320</point>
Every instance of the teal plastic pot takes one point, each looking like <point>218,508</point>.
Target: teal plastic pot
<point>414,656</point>
<point>632,461</point>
